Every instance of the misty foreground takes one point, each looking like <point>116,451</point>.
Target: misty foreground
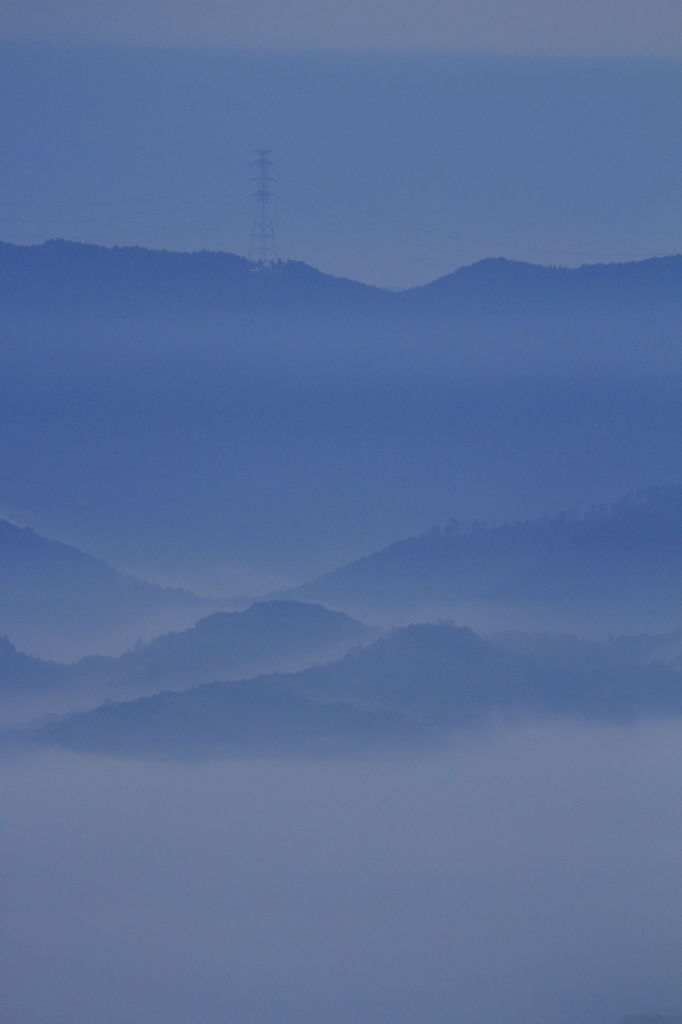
<point>416,686</point>
<point>528,875</point>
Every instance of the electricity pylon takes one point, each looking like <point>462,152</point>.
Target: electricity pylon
<point>263,248</point>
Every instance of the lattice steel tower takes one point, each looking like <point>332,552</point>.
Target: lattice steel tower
<point>263,248</point>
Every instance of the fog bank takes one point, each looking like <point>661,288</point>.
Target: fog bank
<point>530,874</point>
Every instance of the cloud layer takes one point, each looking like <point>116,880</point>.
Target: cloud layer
<point>530,874</point>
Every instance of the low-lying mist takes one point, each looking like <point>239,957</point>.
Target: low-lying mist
<point>529,874</point>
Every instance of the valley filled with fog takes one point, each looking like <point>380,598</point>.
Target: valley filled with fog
<point>341,625</point>
<point>401,777</point>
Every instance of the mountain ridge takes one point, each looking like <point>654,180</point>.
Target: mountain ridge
<point>269,636</point>
<point>387,409</point>
<point>86,274</point>
<point>419,684</point>
<point>54,595</point>
<point>80,275</point>
<point>604,554</point>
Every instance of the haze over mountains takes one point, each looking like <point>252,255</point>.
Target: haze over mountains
<point>615,567</point>
<point>58,602</point>
<point>341,625</point>
<point>192,421</point>
<point>267,637</point>
<point>265,428</point>
<point>413,687</point>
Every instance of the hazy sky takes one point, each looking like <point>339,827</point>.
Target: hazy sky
<point>393,168</point>
<point>586,27</point>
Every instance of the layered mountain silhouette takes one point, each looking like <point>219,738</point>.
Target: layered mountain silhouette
<point>267,637</point>
<point>237,430</point>
<point>618,562</point>
<point>57,601</point>
<point>414,686</point>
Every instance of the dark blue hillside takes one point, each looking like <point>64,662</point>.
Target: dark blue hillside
<point>56,600</point>
<point>73,277</point>
<point>272,636</point>
<point>416,685</point>
<point>627,555</point>
<point>506,285</point>
<point>238,430</point>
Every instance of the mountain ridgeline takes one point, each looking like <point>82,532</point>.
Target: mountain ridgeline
<point>266,427</point>
<point>267,637</point>
<point>617,566</point>
<point>418,685</point>
<point>57,601</point>
<point>72,277</point>
<point>236,428</point>
<point>340,624</point>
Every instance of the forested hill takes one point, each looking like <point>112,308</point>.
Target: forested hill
<point>619,559</point>
<point>273,636</point>
<point>416,684</point>
<point>74,277</point>
<point>182,401</point>
<point>515,284</point>
<point>58,601</point>
<point>269,636</point>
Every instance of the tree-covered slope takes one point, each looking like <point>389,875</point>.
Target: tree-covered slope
<point>625,557</point>
<point>414,686</point>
